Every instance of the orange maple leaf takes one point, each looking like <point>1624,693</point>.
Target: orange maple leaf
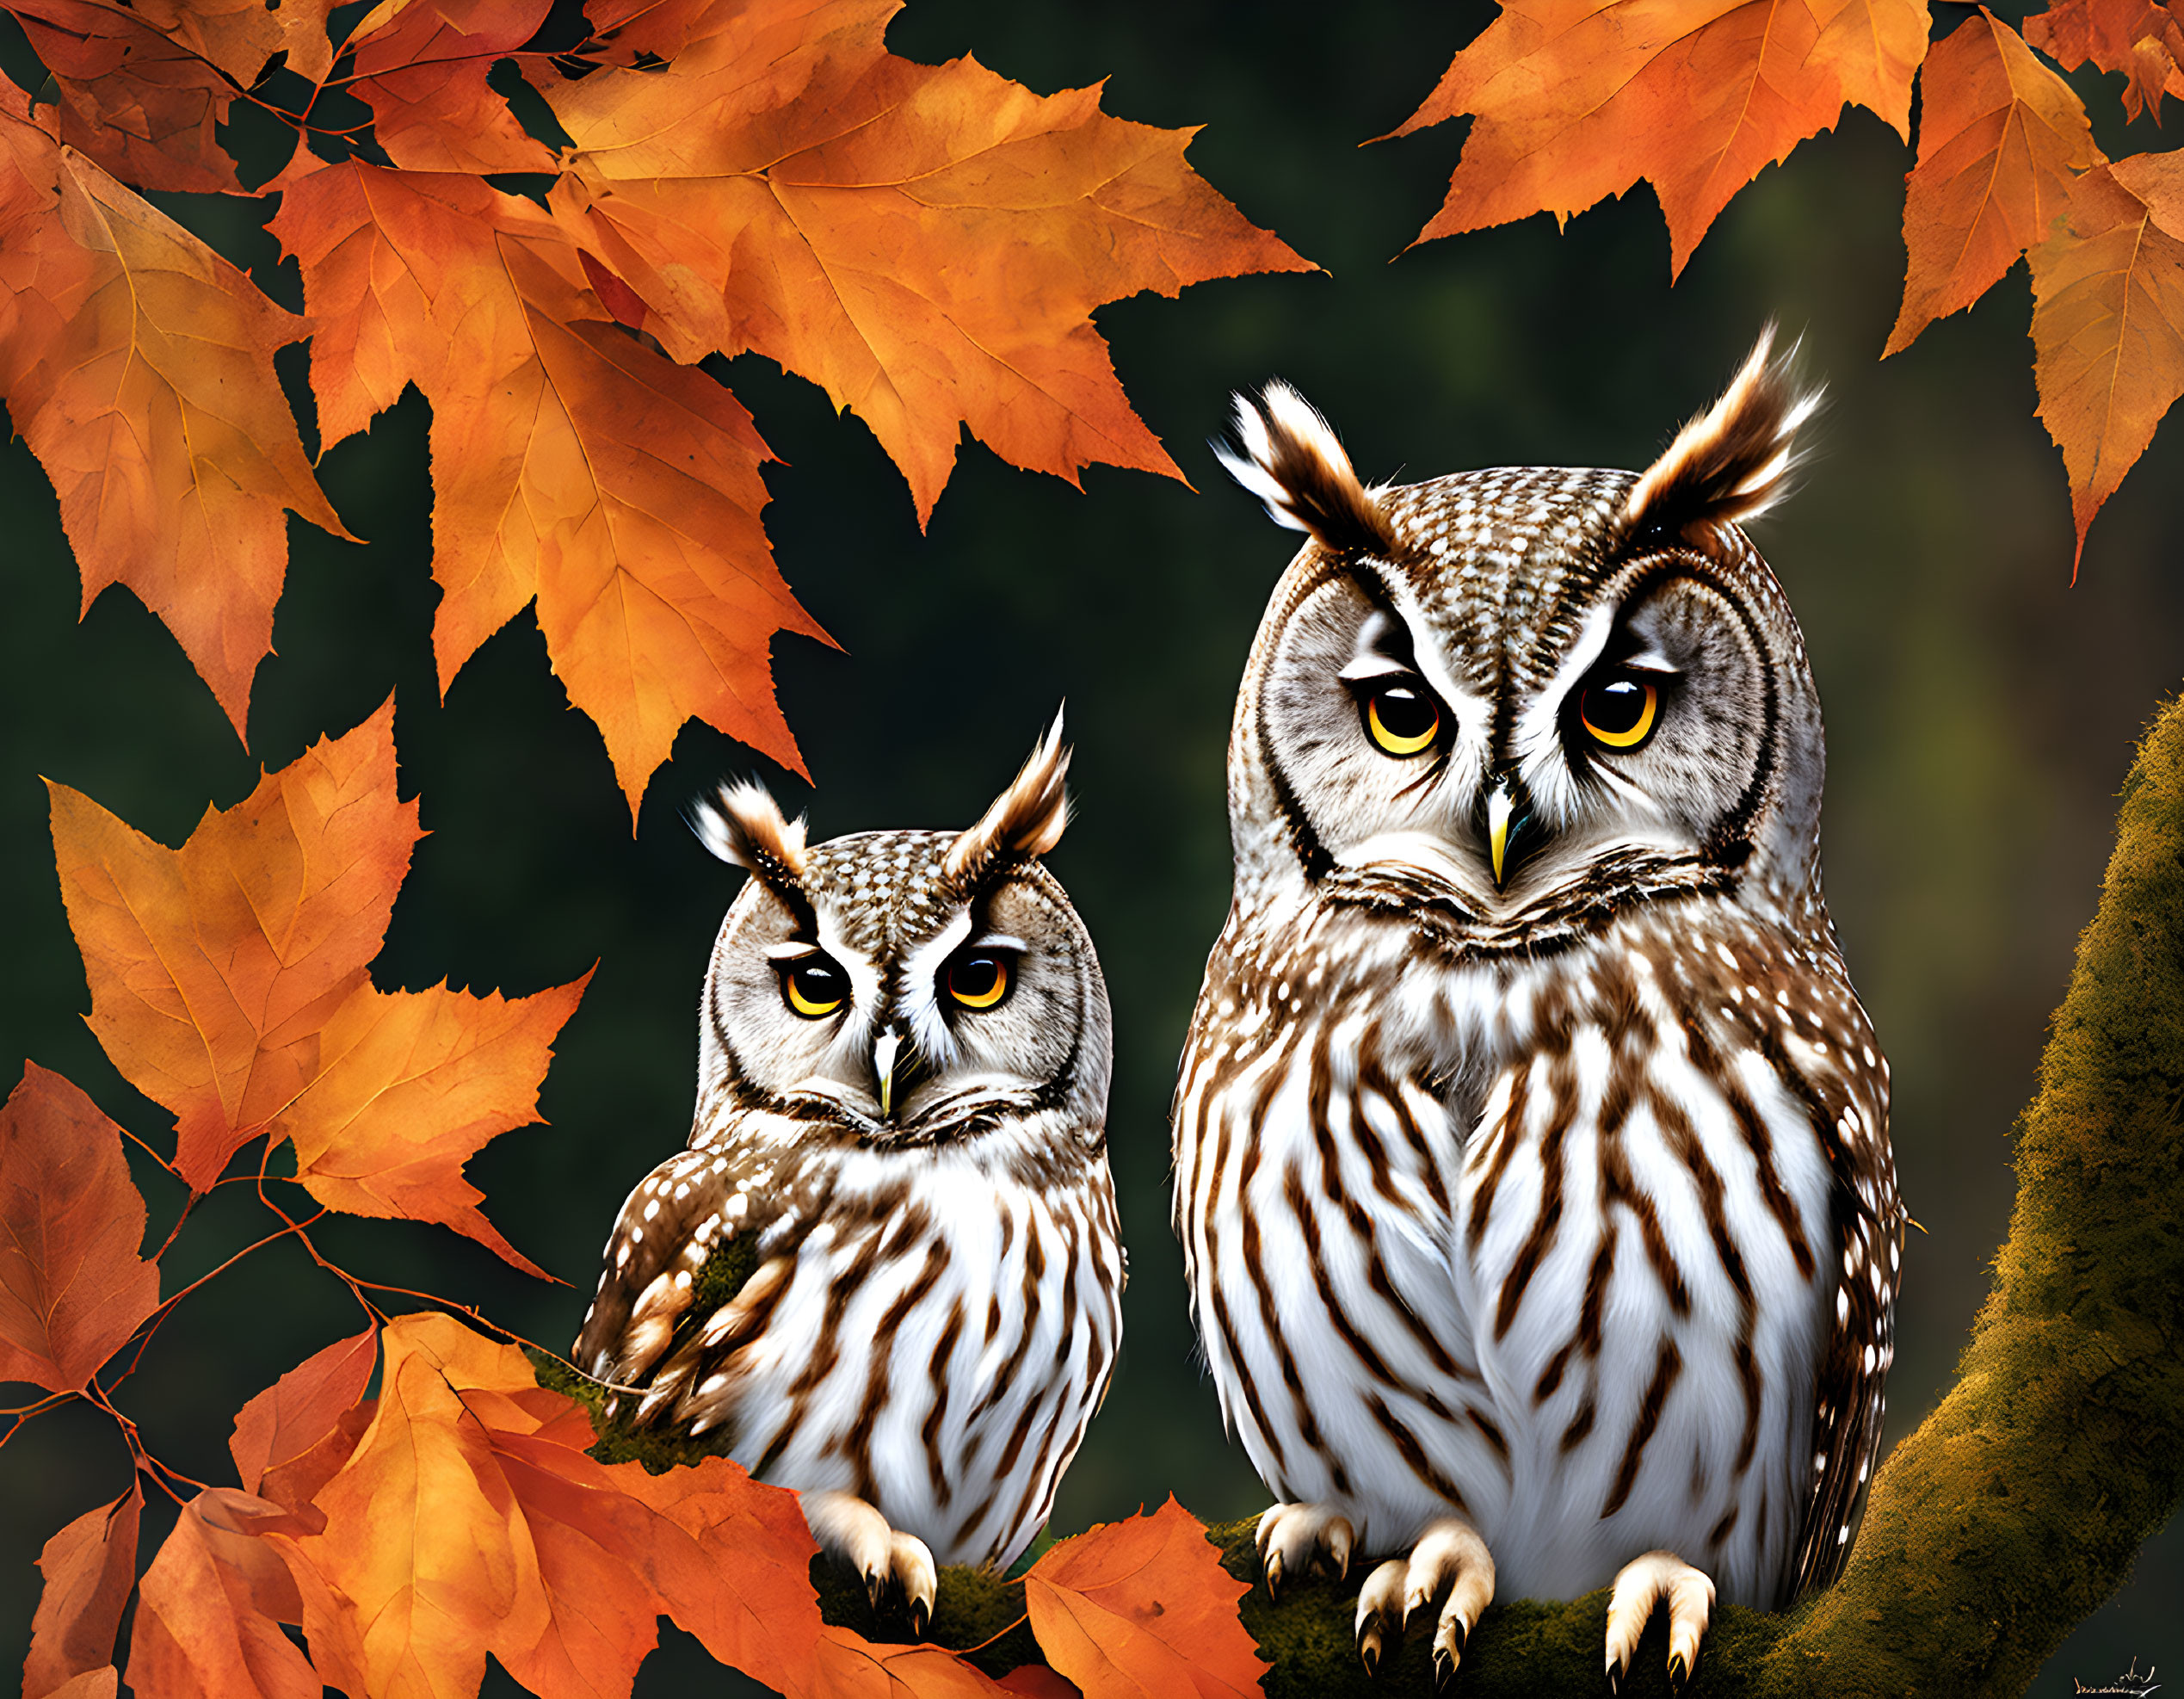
<point>926,242</point>
<point>142,87</point>
<point>2001,139</point>
<point>1577,100</point>
<point>209,1609</point>
<point>853,1667</point>
<point>421,66</point>
<point>138,365</point>
<point>470,1520</point>
<point>572,463</point>
<point>2108,322</point>
<point>230,982</point>
<point>72,1286</point>
<point>298,1412</point>
<point>91,1569</point>
<point>2136,37</point>
<point>1142,1609</point>
<point>143,106</point>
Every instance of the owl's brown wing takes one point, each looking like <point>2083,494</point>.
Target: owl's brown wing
<point>685,1280</point>
<point>1867,1237</point>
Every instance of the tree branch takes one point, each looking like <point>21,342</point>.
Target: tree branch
<point>2013,1511</point>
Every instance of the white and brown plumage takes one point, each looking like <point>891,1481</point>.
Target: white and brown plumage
<point>886,1272</point>
<point>1531,1147</point>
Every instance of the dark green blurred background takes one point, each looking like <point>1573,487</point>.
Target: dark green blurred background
<point>1981,711</point>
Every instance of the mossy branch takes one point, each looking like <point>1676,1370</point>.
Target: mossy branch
<point>2017,1507</point>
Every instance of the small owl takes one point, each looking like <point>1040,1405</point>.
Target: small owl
<point>886,1272</point>
<point>1532,1159</point>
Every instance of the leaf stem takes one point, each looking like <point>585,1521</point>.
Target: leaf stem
<point>1009,1629</point>
<point>23,1413</point>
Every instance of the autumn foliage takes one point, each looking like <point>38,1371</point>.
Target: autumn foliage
<point>544,219</point>
<point>925,243</point>
<point>552,221</point>
<point>1575,101</point>
<point>457,1512</point>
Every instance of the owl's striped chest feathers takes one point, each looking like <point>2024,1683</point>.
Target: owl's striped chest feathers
<point>1549,1238</point>
<point>927,1328</point>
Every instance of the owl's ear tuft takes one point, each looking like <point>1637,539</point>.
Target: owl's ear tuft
<point>1290,458</point>
<point>1028,817</point>
<point>1733,461</point>
<point>744,825</point>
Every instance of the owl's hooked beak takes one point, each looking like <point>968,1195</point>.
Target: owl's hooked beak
<point>885,1048</point>
<point>1507,813</point>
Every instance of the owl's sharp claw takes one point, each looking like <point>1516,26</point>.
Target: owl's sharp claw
<point>892,1564</point>
<point>1379,1612</point>
<point>1450,1565</point>
<point>919,1580</point>
<point>1640,1585</point>
<point>1303,1539</point>
<point>1614,1679</point>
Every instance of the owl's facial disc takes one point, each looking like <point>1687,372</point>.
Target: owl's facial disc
<point>913,1021</point>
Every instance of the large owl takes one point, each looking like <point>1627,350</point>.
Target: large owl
<point>1531,1158</point>
<point>886,1272</point>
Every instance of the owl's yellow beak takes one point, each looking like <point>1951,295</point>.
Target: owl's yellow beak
<point>1500,809</point>
<point>885,1050</point>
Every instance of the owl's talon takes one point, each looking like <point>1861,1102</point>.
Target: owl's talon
<point>1302,1540</point>
<point>914,1574</point>
<point>892,1564</point>
<point>1643,1583</point>
<point>1450,1559</point>
<point>1444,1671</point>
<point>1379,1611</point>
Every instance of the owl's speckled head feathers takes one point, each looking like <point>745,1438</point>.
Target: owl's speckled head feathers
<point>1530,689</point>
<point>902,985</point>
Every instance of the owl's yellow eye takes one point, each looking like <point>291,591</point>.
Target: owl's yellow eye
<point>1402,719</point>
<point>814,986</point>
<point>978,981</point>
<point>1620,711</point>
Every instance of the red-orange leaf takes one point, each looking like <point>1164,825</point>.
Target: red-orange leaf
<point>2001,139</point>
<point>2136,37</point>
<point>470,1520</point>
<point>301,1408</point>
<point>140,87</point>
<point>209,1609</point>
<point>103,1682</point>
<point>2108,322</point>
<point>138,365</point>
<point>421,65</point>
<point>90,1568</point>
<point>72,1286</point>
<point>853,1667</point>
<point>1142,1609</point>
<point>230,982</point>
<point>1577,100</point>
<point>571,464</point>
<point>142,105</point>
<point>1036,1681</point>
<point>925,242</point>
